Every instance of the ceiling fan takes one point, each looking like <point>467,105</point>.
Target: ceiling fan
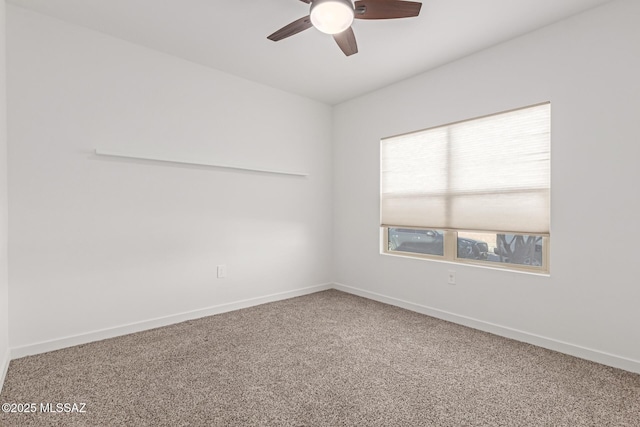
<point>335,17</point>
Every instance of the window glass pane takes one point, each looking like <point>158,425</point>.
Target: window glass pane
<point>419,241</point>
<point>520,249</point>
<point>474,245</point>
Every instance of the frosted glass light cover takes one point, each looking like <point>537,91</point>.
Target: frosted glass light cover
<point>332,16</point>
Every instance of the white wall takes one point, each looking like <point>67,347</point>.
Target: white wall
<point>588,67</point>
<point>97,243</point>
<point>4,290</point>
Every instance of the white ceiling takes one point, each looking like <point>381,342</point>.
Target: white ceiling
<point>231,36</point>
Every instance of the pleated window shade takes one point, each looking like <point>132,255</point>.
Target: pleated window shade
<point>486,174</point>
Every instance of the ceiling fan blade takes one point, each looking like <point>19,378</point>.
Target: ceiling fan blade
<point>386,9</point>
<point>347,41</point>
<point>293,28</point>
<point>306,1</point>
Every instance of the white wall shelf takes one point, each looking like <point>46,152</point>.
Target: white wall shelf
<point>197,163</point>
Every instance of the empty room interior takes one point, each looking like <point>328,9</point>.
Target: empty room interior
<point>205,220</point>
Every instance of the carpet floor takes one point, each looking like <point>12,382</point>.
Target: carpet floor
<point>325,359</point>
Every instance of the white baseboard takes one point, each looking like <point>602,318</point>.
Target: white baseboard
<point>540,341</point>
<point>549,343</point>
<point>70,341</point>
<point>4,367</point>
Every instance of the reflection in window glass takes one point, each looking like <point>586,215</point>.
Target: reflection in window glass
<point>419,241</point>
<point>519,249</point>
<point>472,247</point>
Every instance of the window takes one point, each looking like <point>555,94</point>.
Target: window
<point>475,191</point>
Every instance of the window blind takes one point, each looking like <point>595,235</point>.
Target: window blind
<point>490,173</point>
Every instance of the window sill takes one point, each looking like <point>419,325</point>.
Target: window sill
<point>467,263</point>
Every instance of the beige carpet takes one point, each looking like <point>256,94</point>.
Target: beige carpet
<point>327,359</point>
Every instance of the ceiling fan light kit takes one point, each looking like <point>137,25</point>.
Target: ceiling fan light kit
<point>336,16</point>
<point>332,16</point>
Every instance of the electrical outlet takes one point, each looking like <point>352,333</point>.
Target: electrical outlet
<point>222,271</point>
<point>452,277</point>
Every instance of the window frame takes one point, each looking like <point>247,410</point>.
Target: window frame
<point>450,252</point>
<point>450,235</point>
